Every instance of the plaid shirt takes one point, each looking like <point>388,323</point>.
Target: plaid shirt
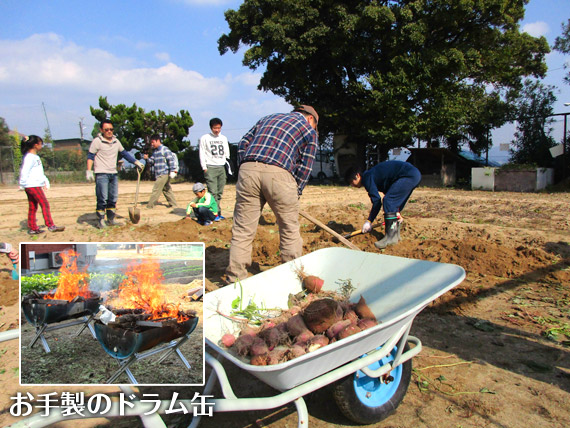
<point>285,140</point>
<point>163,161</point>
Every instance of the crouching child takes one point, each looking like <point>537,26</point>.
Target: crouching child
<point>204,206</point>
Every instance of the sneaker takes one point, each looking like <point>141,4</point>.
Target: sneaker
<point>219,218</point>
<point>207,223</point>
<point>55,228</point>
<point>35,232</point>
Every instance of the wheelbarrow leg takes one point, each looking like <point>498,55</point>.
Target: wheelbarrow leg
<point>302,413</point>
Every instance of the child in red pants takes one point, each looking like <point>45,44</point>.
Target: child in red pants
<point>34,181</point>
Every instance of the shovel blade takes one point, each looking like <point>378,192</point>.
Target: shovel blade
<point>134,215</point>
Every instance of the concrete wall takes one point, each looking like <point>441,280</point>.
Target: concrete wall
<point>511,180</point>
<point>483,178</point>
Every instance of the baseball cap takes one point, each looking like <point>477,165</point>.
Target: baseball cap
<point>198,187</point>
<point>308,109</point>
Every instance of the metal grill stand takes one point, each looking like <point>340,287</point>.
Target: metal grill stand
<point>168,348</point>
<point>44,328</point>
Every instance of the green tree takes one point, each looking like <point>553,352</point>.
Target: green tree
<point>134,126</point>
<point>387,71</point>
<point>532,137</point>
<point>4,133</point>
<point>562,44</point>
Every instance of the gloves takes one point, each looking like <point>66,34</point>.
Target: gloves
<point>139,165</point>
<point>366,227</point>
<point>173,175</point>
<point>89,175</point>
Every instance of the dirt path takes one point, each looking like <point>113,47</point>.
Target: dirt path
<point>496,348</point>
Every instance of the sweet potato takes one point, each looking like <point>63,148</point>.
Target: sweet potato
<point>296,351</point>
<point>296,325</point>
<point>316,342</point>
<point>348,331</point>
<point>272,336</point>
<point>243,344</point>
<point>259,360</point>
<point>336,328</point>
<point>277,355</point>
<point>313,284</point>
<point>321,314</point>
<point>304,336</point>
<point>351,316</point>
<point>366,323</point>
<point>258,347</point>
<point>362,310</point>
<point>228,340</point>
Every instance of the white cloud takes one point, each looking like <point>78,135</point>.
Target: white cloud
<point>246,79</point>
<point>68,78</point>
<point>162,56</point>
<point>536,29</point>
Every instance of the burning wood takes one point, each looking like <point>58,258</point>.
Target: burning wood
<point>143,291</point>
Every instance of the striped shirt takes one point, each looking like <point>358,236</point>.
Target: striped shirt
<point>163,161</point>
<point>285,140</point>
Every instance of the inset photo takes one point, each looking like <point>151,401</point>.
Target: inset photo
<point>111,313</point>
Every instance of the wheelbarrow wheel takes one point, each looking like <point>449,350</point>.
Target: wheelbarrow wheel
<point>367,400</point>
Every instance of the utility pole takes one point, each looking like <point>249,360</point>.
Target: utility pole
<point>81,128</point>
<point>47,121</point>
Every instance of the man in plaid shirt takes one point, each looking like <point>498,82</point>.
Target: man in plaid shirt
<point>165,165</point>
<point>275,160</point>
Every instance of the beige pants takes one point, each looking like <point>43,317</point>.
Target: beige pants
<point>257,184</point>
<point>162,185</point>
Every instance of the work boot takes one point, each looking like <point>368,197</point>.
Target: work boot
<point>111,218</point>
<point>101,220</point>
<point>391,235</point>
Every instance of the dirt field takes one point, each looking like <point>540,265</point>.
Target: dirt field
<point>496,348</point>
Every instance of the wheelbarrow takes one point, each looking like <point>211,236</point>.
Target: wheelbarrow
<point>370,371</point>
<point>135,212</point>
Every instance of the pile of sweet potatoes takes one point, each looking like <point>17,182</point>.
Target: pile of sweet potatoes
<point>314,323</point>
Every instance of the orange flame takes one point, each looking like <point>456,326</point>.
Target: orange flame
<point>71,281</point>
<point>143,289</point>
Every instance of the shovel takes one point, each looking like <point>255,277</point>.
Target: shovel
<point>134,212</point>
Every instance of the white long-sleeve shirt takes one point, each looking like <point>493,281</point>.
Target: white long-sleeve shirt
<point>32,172</point>
<point>213,150</point>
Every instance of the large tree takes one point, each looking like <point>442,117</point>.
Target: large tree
<point>134,126</point>
<point>388,71</point>
<point>534,125</point>
<point>562,44</point>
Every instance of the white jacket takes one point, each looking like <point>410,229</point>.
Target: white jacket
<point>32,172</point>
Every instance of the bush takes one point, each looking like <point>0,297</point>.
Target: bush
<point>46,282</point>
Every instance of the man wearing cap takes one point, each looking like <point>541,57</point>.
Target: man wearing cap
<point>275,159</point>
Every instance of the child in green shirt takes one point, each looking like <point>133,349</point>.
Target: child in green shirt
<point>204,205</point>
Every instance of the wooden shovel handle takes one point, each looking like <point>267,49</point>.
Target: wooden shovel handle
<point>358,232</point>
<point>138,182</point>
<point>329,230</point>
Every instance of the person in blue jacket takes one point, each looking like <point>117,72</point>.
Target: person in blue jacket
<point>396,180</point>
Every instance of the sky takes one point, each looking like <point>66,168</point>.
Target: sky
<point>59,56</point>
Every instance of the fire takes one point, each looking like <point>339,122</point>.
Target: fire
<point>71,281</point>
<point>143,289</point>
